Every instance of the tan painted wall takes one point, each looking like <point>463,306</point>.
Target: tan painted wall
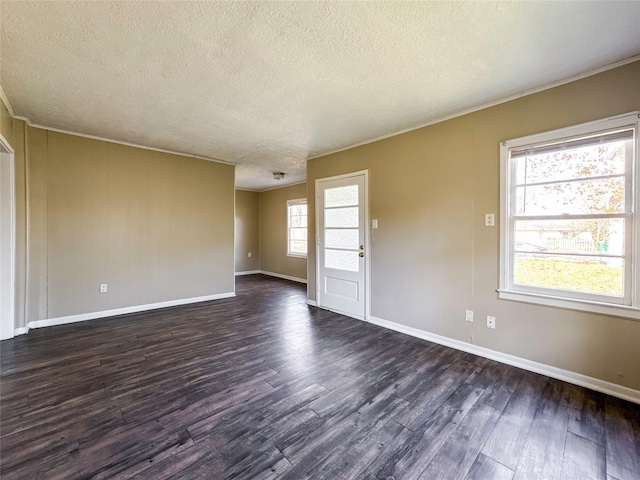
<point>155,227</point>
<point>247,231</point>
<point>432,257</point>
<point>273,232</point>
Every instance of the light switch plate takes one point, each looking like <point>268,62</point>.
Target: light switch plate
<point>374,223</point>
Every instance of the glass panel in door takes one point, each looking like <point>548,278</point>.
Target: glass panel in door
<point>341,233</point>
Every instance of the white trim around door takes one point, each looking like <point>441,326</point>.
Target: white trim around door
<point>7,240</point>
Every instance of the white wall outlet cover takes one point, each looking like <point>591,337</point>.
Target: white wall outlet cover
<point>489,220</point>
<point>103,288</point>
<point>491,321</point>
<point>374,223</point>
<point>469,316</point>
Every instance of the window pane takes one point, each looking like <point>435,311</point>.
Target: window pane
<point>562,190</point>
<point>577,197</point>
<point>298,246</point>
<point>341,260</point>
<point>572,163</point>
<point>341,217</point>
<point>298,209</point>
<point>297,241</point>
<point>298,221</point>
<point>341,196</point>
<point>594,236</point>
<point>298,234</point>
<point>342,238</point>
<point>604,276</point>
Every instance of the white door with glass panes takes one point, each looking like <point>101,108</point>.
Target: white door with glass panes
<point>342,248</point>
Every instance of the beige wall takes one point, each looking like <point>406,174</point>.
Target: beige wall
<point>154,226</point>
<point>247,231</point>
<point>432,257</point>
<point>273,232</point>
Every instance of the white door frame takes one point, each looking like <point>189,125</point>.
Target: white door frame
<point>7,311</point>
<point>367,239</point>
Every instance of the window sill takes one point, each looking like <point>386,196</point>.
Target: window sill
<point>296,255</point>
<point>624,311</point>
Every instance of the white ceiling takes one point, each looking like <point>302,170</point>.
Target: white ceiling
<point>267,85</point>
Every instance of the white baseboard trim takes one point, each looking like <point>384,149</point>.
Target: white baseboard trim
<point>273,274</point>
<point>248,272</point>
<point>313,303</point>
<point>49,322</point>
<point>20,331</point>
<point>609,388</point>
<point>286,277</point>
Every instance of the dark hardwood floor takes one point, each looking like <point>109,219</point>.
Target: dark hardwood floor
<point>263,386</point>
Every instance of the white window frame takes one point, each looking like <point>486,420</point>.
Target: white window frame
<point>630,306</point>
<point>291,203</point>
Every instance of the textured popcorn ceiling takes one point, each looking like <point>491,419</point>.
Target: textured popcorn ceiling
<point>268,85</point>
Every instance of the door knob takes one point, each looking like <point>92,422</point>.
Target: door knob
<point>361,254</point>
<point>361,247</point>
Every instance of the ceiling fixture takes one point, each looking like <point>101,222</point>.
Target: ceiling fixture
<point>278,175</point>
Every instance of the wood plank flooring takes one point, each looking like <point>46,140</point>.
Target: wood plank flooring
<point>263,386</point>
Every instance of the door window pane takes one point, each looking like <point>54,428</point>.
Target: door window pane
<point>341,217</point>
<point>341,260</point>
<point>343,238</point>
<point>341,196</point>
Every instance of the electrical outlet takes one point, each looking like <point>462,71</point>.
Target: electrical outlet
<point>469,316</point>
<point>249,254</point>
<point>491,321</point>
<point>489,220</point>
<point>103,288</point>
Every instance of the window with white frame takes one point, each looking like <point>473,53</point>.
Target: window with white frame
<point>297,227</point>
<point>569,225</point>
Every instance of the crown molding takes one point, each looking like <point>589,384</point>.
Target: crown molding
<point>119,142</point>
<point>283,186</point>
<point>524,93</point>
<point>5,100</point>
<point>28,121</point>
<point>270,188</point>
